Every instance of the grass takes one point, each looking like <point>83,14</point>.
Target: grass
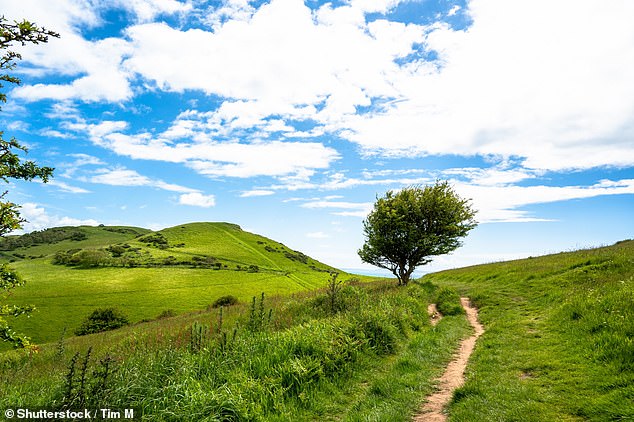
<point>373,360</point>
<point>65,295</point>
<point>559,343</point>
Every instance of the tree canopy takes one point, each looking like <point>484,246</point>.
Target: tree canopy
<point>409,227</point>
<point>13,166</point>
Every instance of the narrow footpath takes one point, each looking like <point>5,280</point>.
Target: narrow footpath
<point>453,377</point>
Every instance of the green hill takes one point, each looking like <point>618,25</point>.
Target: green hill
<point>557,345</point>
<point>559,341</point>
<point>70,271</point>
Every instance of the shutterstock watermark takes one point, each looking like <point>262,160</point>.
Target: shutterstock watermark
<point>96,414</point>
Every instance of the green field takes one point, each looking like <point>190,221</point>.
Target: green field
<point>559,341</point>
<point>373,356</point>
<point>199,263</point>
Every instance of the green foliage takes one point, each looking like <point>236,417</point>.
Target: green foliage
<point>12,166</point>
<point>407,228</point>
<point>448,302</point>
<point>83,387</point>
<point>258,320</point>
<point>10,279</point>
<point>167,313</point>
<point>103,319</point>
<point>48,236</point>
<point>198,337</point>
<point>226,300</point>
<point>22,33</point>
<point>155,239</point>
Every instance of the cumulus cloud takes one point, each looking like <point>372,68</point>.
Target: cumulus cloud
<point>545,83</point>
<point>532,79</point>
<point>126,177</point>
<point>209,157</point>
<point>38,218</point>
<point>197,199</point>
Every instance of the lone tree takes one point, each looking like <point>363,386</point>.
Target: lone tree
<point>12,166</point>
<point>407,228</point>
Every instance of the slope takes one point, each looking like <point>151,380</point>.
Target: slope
<point>144,273</point>
<point>558,342</point>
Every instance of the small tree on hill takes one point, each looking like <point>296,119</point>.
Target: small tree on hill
<point>13,167</point>
<point>407,228</point>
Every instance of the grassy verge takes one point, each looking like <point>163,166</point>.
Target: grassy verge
<point>559,340</point>
<point>369,353</point>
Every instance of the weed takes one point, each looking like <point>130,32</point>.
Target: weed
<point>199,337</point>
<point>61,347</point>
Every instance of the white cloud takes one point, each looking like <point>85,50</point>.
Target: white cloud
<point>503,203</point>
<point>146,10</point>
<point>492,193</point>
<point>317,235</point>
<point>126,177</point>
<point>352,209</point>
<point>96,65</point>
<point>52,133</point>
<point>281,55</point>
<point>66,187</point>
<point>544,81</point>
<point>38,218</point>
<point>197,199</point>
<point>256,192</point>
<point>85,160</point>
<point>453,10</point>
<point>209,157</point>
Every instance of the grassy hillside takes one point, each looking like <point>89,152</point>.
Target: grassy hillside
<point>369,354</point>
<point>73,270</point>
<point>559,343</point>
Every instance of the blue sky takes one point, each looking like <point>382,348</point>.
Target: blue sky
<point>289,117</point>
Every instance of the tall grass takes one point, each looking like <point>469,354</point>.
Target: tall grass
<point>273,359</point>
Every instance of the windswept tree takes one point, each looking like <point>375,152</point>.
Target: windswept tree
<point>13,166</point>
<point>409,227</point>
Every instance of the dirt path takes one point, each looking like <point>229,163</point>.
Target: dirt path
<point>434,315</point>
<point>454,374</point>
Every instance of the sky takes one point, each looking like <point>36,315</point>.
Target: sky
<point>290,117</point>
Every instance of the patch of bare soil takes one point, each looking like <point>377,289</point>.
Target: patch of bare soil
<point>453,377</point>
<point>434,315</point>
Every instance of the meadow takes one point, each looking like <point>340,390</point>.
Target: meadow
<point>198,263</point>
<point>366,353</point>
<point>559,343</point>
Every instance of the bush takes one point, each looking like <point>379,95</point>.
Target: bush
<point>227,300</point>
<point>167,313</point>
<point>102,319</point>
<point>448,302</point>
<point>380,335</point>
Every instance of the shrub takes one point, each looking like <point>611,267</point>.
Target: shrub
<point>102,319</point>
<point>167,313</point>
<point>448,302</point>
<point>227,300</point>
<point>380,335</point>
